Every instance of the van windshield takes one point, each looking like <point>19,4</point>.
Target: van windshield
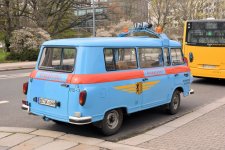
<point>58,59</point>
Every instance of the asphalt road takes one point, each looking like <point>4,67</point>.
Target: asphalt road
<point>206,91</point>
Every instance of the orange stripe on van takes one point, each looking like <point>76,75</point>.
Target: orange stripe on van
<point>33,74</point>
<point>106,77</point>
<point>111,76</point>
<point>177,69</point>
<point>69,78</point>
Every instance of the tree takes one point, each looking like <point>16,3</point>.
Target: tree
<point>159,11</point>
<point>114,29</point>
<point>25,43</point>
<point>10,13</point>
<point>54,16</point>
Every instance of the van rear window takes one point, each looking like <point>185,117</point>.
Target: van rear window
<point>58,59</point>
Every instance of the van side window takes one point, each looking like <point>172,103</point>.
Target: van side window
<point>58,59</point>
<point>150,57</point>
<point>120,58</point>
<point>176,56</point>
<point>166,57</point>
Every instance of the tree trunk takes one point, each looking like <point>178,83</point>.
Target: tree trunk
<point>8,27</point>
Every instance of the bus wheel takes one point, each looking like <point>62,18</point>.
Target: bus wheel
<point>112,122</point>
<point>174,105</point>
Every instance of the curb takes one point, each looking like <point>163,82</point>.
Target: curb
<point>23,138</point>
<point>16,68</point>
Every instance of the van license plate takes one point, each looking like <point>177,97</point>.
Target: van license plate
<point>47,102</point>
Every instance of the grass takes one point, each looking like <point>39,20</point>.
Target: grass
<point>3,56</point>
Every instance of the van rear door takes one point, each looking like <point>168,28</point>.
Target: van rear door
<point>49,87</point>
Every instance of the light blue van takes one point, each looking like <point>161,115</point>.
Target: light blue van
<point>99,80</point>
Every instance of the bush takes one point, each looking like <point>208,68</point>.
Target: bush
<point>25,43</point>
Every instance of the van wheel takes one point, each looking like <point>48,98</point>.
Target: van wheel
<point>174,105</point>
<point>112,122</point>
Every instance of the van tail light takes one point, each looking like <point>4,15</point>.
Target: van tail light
<point>186,60</point>
<point>25,88</point>
<point>82,97</point>
<point>24,102</point>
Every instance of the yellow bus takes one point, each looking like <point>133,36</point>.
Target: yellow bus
<point>204,47</point>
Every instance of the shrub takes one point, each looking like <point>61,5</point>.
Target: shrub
<point>25,43</point>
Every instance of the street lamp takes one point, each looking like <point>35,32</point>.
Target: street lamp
<point>93,9</point>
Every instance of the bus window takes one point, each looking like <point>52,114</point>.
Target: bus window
<point>166,57</point>
<point>120,59</point>
<point>150,57</point>
<point>176,56</point>
<point>205,33</point>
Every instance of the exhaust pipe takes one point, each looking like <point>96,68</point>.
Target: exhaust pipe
<point>46,118</point>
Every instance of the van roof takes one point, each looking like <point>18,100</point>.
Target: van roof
<point>110,42</point>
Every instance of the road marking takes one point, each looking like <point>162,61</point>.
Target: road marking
<point>10,76</point>
<point>4,102</point>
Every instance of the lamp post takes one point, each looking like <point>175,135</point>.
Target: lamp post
<point>93,9</point>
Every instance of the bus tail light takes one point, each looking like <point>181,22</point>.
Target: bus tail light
<point>25,88</point>
<point>82,97</point>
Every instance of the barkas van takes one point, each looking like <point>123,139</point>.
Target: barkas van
<point>100,80</point>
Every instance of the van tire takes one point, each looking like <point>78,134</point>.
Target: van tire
<point>174,105</point>
<point>112,122</point>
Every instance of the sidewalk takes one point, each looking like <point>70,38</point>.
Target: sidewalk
<point>17,65</point>
<point>203,129</point>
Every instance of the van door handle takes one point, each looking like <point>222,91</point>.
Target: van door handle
<point>145,79</point>
<point>65,85</point>
<point>176,75</point>
<point>186,74</point>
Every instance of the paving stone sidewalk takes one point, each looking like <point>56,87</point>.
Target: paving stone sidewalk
<point>17,65</point>
<point>204,133</point>
<point>203,129</point>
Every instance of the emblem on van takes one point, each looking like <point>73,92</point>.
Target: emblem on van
<point>137,88</point>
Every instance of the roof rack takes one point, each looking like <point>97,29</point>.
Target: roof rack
<point>142,27</point>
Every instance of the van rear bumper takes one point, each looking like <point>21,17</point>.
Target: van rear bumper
<point>25,107</point>
<point>80,120</point>
<point>191,91</point>
<point>72,120</point>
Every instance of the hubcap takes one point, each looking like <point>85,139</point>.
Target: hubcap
<point>113,119</point>
<point>175,102</point>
